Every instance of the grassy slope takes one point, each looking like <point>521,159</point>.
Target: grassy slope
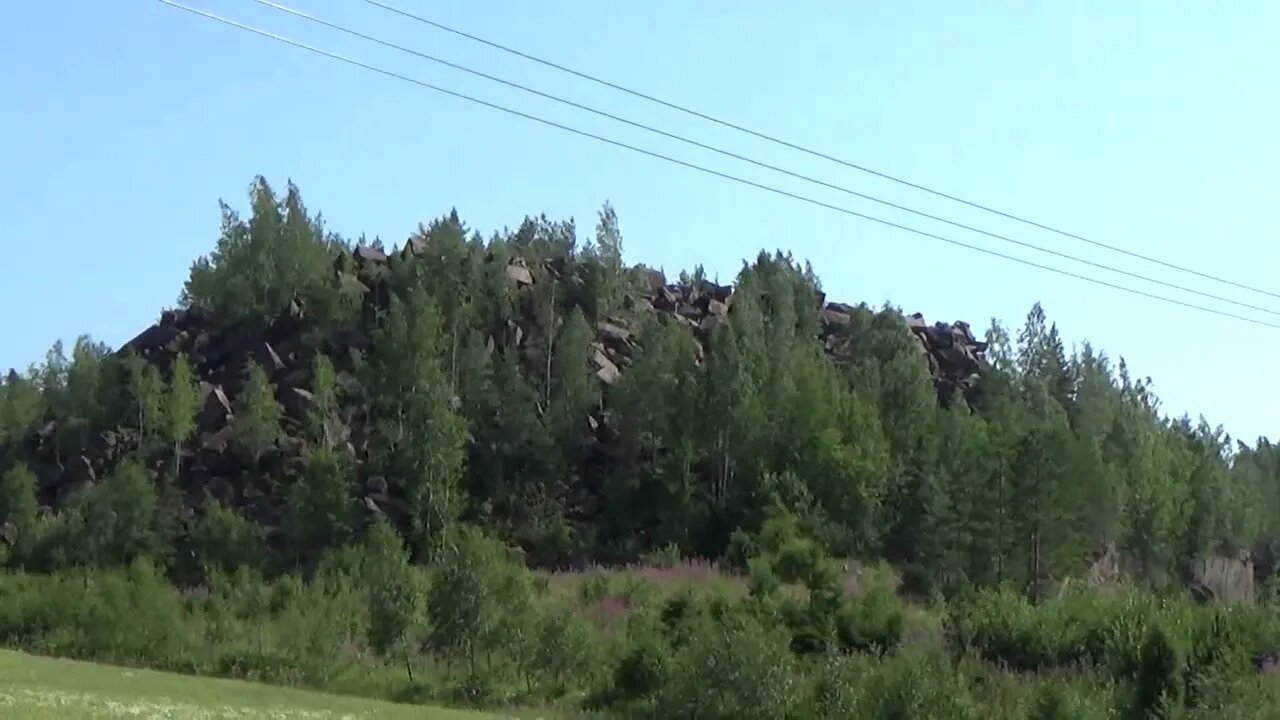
<point>37,687</point>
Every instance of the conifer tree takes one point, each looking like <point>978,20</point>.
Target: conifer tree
<point>479,400</point>
<point>971,527</point>
<point>1050,505</point>
<point>1041,356</point>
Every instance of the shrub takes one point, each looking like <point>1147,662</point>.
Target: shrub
<point>732,668</point>
<point>871,623</point>
<point>919,685</point>
<point>1055,701</point>
<point>560,652</point>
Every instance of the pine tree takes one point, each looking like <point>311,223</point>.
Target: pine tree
<point>1050,505</point>
<point>1041,356</point>
<point>448,268</point>
<point>971,526</point>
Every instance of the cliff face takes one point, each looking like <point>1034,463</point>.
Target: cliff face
<point>220,353</point>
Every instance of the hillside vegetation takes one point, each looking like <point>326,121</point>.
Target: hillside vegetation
<point>339,459</point>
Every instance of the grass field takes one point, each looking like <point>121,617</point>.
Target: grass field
<point>37,688</point>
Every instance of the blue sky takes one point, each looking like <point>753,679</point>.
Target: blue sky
<point>1149,125</point>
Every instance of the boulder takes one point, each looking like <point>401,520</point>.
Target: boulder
<point>518,273</point>
<point>368,253</point>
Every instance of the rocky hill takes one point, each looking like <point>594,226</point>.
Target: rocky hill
<point>220,353</point>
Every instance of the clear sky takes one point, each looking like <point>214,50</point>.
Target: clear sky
<point>1150,125</point>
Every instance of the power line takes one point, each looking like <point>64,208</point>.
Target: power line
<point>743,158</point>
<point>809,151</point>
<point>709,171</point>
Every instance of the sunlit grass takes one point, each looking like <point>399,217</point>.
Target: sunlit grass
<point>38,687</point>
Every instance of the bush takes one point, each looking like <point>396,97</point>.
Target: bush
<point>919,685</point>
<point>872,622</point>
<point>1062,702</point>
<point>644,668</point>
<point>129,616</point>
<point>837,687</point>
<point>478,603</point>
<point>731,668</point>
<point>561,651</point>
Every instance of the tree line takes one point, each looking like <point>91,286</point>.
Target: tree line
<point>1059,453</point>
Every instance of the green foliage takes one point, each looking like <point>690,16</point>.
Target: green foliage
<point>560,651</point>
<point>322,509</point>
<point>147,397</point>
<point>18,498</point>
<point>223,541</point>
<point>256,424</point>
<point>21,405</point>
<point>419,437</point>
<point>395,594</point>
<point>477,600</point>
<point>117,520</point>
<point>261,264</point>
<point>1158,688</point>
<point>1057,702</point>
<point>873,622</point>
<point>478,400</point>
<point>181,404</point>
<point>324,400</point>
<point>736,670</point>
<point>916,685</point>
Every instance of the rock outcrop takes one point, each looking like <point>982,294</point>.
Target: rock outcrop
<point>220,354</point>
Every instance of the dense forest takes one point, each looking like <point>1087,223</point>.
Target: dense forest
<point>530,400</point>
